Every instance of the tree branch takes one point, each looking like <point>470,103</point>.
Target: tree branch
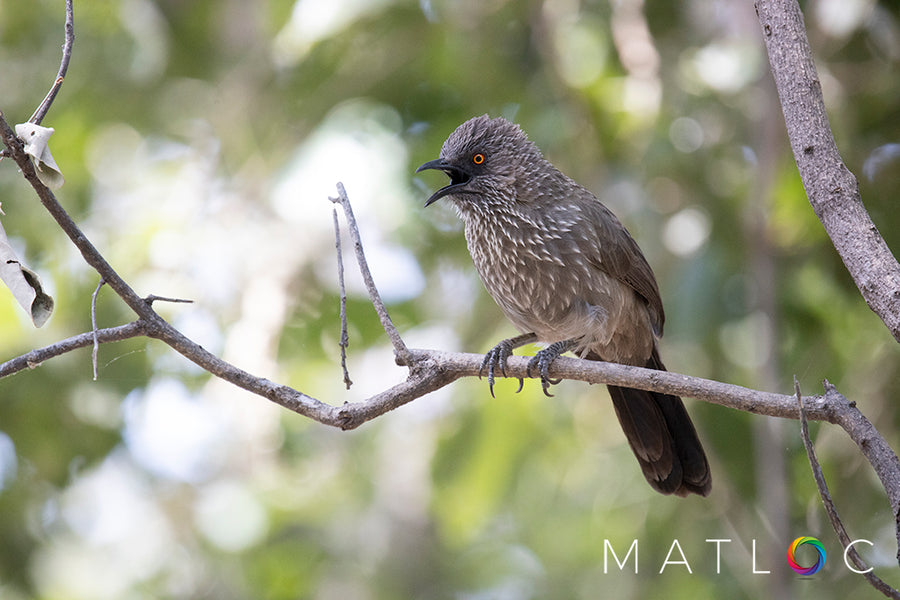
<point>400,349</point>
<point>830,509</point>
<point>833,193</point>
<point>831,188</point>
<point>96,349</point>
<point>41,111</point>
<point>345,336</point>
<point>35,358</point>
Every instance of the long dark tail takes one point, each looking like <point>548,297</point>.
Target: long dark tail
<point>662,437</point>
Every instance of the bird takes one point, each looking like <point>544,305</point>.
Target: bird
<point>568,275</point>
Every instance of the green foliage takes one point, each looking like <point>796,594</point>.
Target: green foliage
<point>200,141</point>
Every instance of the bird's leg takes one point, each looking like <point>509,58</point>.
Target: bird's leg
<point>543,359</point>
<point>498,355</point>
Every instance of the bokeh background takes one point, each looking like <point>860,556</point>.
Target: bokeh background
<point>201,139</point>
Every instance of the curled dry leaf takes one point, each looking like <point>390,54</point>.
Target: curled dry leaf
<point>24,284</point>
<point>36,140</point>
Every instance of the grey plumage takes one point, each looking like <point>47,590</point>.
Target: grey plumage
<point>565,271</point>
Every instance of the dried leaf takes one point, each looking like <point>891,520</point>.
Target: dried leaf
<point>24,284</point>
<point>36,140</point>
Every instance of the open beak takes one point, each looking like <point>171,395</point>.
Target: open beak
<point>458,178</point>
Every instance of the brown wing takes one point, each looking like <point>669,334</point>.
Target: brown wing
<point>609,247</point>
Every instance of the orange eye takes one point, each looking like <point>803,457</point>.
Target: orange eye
<point>478,158</point>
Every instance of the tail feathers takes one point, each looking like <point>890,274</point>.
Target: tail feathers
<point>662,437</point>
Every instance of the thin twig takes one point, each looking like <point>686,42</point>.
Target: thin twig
<point>35,358</point>
<point>154,298</point>
<point>96,348</point>
<point>345,336</point>
<point>830,508</point>
<point>42,109</point>
<point>400,349</point>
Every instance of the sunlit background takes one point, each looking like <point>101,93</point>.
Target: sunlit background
<point>201,140</point>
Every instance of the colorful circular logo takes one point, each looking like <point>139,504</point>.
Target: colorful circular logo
<point>820,551</point>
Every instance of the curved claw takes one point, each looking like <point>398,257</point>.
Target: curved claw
<point>497,357</point>
<point>542,364</point>
<point>489,364</point>
<point>542,361</point>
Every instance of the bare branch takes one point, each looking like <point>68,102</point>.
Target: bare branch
<point>35,358</point>
<point>42,109</point>
<point>833,193</point>
<point>345,337</point>
<point>831,188</point>
<point>460,365</point>
<point>830,508</point>
<point>96,349</point>
<point>400,349</point>
<point>874,447</point>
<point>154,298</point>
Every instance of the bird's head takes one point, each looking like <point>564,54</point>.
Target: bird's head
<point>483,156</point>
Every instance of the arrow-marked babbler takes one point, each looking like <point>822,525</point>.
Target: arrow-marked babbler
<point>566,272</point>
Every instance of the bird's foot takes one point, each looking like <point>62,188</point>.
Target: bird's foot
<point>543,359</point>
<point>497,357</point>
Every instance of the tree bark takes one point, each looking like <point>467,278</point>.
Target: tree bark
<point>832,189</point>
